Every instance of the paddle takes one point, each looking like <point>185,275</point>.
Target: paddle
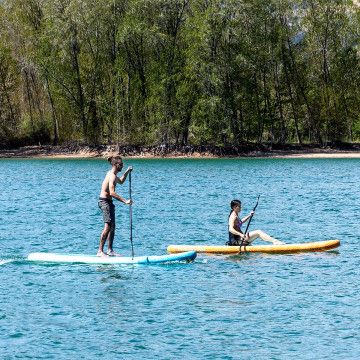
<point>249,221</point>
<point>131,240</point>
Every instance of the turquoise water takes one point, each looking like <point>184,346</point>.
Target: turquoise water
<point>254,306</point>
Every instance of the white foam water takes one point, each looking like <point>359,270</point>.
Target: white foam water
<point>5,261</point>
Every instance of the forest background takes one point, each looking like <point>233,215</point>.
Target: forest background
<point>179,72</point>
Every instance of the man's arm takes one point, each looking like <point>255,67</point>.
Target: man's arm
<point>122,179</point>
<point>112,180</point>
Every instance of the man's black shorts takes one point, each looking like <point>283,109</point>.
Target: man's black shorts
<point>108,210</point>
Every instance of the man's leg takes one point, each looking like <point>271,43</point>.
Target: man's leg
<point>104,235</point>
<point>111,234</point>
<point>110,237</point>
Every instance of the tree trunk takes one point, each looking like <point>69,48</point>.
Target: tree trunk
<point>6,93</point>
<point>75,63</point>
<point>53,113</point>
<point>28,92</point>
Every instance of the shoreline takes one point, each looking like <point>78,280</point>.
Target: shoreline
<point>77,152</point>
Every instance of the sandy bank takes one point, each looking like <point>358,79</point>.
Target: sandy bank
<point>158,152</point>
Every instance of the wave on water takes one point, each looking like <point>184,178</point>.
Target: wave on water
<point>6,261</point>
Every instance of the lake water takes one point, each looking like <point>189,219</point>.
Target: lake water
<point>253,306</point>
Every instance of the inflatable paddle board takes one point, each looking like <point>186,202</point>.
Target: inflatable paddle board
<point>271,249</point>
<point>93,259</point>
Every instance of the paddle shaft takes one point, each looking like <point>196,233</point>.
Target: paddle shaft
<point>131,227</point>
<point>251,216</point>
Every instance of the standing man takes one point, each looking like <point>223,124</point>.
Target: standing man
<point>106,203</point>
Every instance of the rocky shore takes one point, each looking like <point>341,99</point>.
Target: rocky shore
<point>173,151</point>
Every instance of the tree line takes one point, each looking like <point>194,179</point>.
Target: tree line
<point>179,72</point>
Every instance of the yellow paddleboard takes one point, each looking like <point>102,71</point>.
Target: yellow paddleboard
<point>272,249</point>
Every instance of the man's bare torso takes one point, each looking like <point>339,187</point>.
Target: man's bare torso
<point>105,187</point>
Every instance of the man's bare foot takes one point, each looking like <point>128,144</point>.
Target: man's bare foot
<point>101,254</point>
<point>112,253</point>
